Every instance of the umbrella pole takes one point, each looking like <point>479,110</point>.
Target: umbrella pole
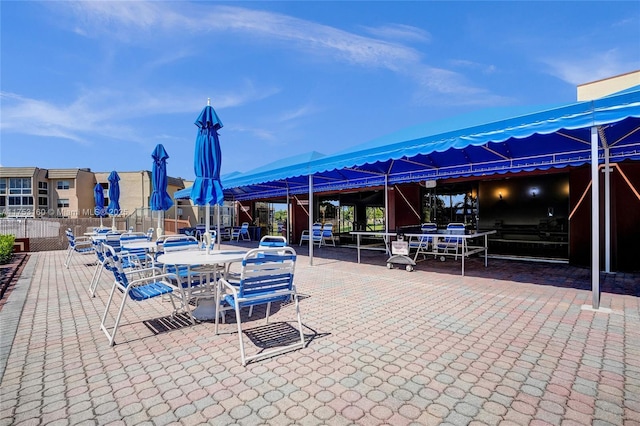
<point>218,225</point>
<point>113,223</point>
<point>207,224</point>
<point>159,229</point>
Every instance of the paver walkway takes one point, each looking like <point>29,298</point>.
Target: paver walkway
<point>509,344</point>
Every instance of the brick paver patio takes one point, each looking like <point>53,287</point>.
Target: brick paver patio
<point>509,344</point>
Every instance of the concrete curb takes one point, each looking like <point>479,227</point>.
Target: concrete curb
<point>12,311</point>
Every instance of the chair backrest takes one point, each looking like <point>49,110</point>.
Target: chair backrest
<point>112,239</point>
<point>327,229</point>
<point>183,243</point>
<point>97,247</point>
<point>267,270</point>
<point>245,226</point>
<point>149,234</point>
<point>113,263</point>
<point>316,229</point>
<point>70,237</point>
<point>455,229</point>
<point>133,237</point>
<point>273,241</point>
<point>429,228</point>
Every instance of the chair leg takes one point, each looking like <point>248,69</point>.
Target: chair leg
<point>97,274</point>
<point>239,323</point>
<point>68,259</point>
<point>103,326</point>
<point>268,311</point>
<point>295,296</point>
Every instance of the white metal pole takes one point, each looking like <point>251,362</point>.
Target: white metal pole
<point>311,220</point>
<point>288,218</point>
<point>607,211</point>
<point>207,224</point>
<point>386,204</point>
<point>218,225</point>
<point>595,221</point>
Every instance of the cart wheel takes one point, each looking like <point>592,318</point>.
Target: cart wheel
<point>389,265</point>
<point>409,268</point>
<point>442,258</point>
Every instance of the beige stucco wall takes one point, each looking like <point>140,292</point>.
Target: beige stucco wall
<point>607,86</point>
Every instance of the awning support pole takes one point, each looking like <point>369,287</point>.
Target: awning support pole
<point>595,221</point>
<point>311,220</point>
<point>607,211</point>
<point>288,218</point>
<point>386,203</point>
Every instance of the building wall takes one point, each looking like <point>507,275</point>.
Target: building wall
<point>135,191</point>
<point>625,225</point>
<point>85,182</point>
<point>607,86</point>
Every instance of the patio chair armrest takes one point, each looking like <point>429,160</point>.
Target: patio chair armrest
<point>155,271</point>
<point>228,285</point>
<point>172,280</point>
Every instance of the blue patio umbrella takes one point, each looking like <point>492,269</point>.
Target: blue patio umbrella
<point>207,188</point>
<point>114,197</point>
<point>98,196</point>
<point>160,199</point>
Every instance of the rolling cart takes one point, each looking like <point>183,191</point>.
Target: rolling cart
<point>400,255</point>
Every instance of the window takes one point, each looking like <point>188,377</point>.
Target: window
<point>63,184</point>
<point>21,201</point>
<point>19,186</point>
<point>43,188</point>
<point>43,201</point>
<point>3,186</point>
<point>63,202</point>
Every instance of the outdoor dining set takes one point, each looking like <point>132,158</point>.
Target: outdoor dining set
<point>202,283</point>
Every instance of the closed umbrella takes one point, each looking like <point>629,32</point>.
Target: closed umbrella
<point>98,196</point>
<point>207,189</point>
<point>114,197</point>
<point>160,199</point>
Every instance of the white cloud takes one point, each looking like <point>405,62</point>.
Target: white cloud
<point>303,111</point>
<point>105,113</point>
<point>121,20</point>
<point>400,32</point>
<point>484,68</point>
<point>590,67</point>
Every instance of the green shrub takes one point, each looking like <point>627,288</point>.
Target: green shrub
<point>6,247</point>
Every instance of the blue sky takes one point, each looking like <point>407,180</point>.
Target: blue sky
<point>99,84</point>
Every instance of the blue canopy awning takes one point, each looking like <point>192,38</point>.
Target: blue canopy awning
<point>484,143</point>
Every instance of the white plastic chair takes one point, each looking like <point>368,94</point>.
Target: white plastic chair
<point>155,284</point>
<point>81,245</point>
<point>314,237</point>
<point>422,245</point>
<point>327,234</point>
<point>242,232</point>
<point>266,277</point>
<point>450,243</point>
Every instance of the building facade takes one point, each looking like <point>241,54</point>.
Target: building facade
<point>32,192</point>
